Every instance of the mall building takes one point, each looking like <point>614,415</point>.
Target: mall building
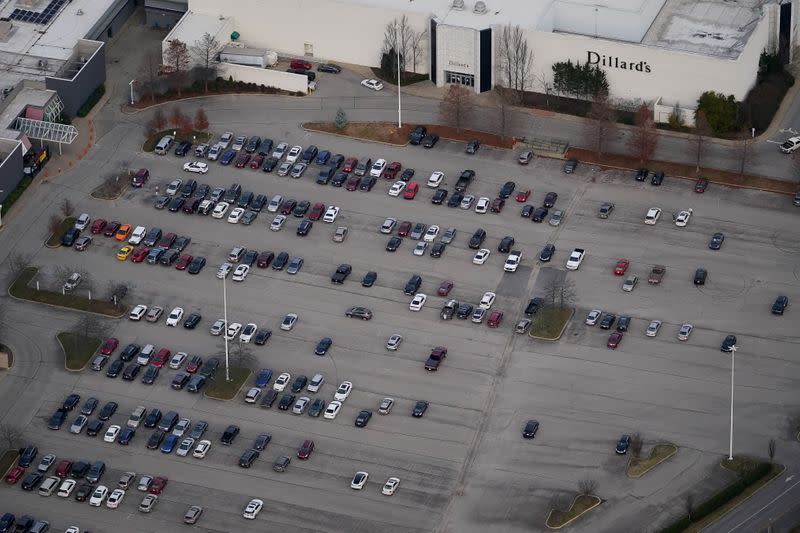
<point>663,52</point>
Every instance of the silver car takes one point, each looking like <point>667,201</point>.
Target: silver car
<point>218,327</point>
<point>394,342</point>
<point>652,329</point>
<point>685,332</point>
<point>593,316</point>
<point>555,218</point>
<point>448,235</point>
<point>300,405</point>
<point>78,425</point>
<point>388,225</point>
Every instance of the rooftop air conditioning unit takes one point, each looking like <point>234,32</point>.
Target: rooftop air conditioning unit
<point>480,8</point>
<point>458,4</point>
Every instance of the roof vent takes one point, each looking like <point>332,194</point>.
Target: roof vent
<point>458,4</point>
<point>480,7</point>
<point>79,12</point>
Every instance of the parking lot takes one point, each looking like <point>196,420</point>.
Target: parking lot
<point>464,466</point>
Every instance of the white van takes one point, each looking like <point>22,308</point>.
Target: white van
<point>49,485</point>
<point>145,355</point>
<point>137,235</point>
<point>164,144</point>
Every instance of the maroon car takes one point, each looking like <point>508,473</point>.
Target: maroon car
<point>264,259</point>
<point>614,339</point>
<point>497,205</point>
<point>288,206</point>
<point>109,346</point>
<point>161,357</point>
<point>317,211</point>
<point>305,450</point>
<point>349,164</point>
<point>167,241</point>
<point>140,254</point>
<point>404,228</point>
<point>183,262</point>
<point>256,162</point>
<point>242,160</point>
<point>158,486</point>
<point>391,170</point>
<point>436,357</point>
<point>98,225</point>
<point>445,288</point>
<point>194,364</point>
<point>701,185</point>
<point>111,228</point>
<point>352,183</point>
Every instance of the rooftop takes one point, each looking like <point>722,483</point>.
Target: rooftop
<point>14,106</point>
<point>192,26</point>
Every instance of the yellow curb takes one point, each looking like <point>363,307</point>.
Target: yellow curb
<point>655,464</point>
<point>568,522</point>
<point>560,333</point>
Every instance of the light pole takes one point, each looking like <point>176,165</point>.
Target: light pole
<point>131,84</point>
<point>397,47</point>
<point>733,359</point>
<point>225,334</point>
<point>1,210</point>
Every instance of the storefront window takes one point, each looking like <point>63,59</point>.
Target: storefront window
<point>458,78</point>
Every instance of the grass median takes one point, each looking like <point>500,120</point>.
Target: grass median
<point>219,389</point>
<point>581,504</point>
<point>659,454</point>
<point>7,460</point>
<point>54,240</point>
<point>550,322</point>
<point>78,350</point>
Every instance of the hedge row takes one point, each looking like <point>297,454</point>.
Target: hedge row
<point>91,101</point>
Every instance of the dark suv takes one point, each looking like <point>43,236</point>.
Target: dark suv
<point>417,134</point>
<point>728,343</point>
<point>477,238</point>
<point>413,284</point>
<point>780,305</point>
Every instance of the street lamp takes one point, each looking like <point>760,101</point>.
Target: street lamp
<point>733,359</point>
<point>397,48</point>
<point>225,334</point>
<point>131,84</point>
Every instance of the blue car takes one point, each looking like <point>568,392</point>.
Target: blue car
<point>125,436</point>
<point>169,443</point>
<point>228,157</point>
<point>57,420</point>
<point>7,522</point>
<point>322,157</point>
<point>264,375</point>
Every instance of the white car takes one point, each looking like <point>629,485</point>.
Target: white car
<point>377,168</point>
<point>175,316</point>
<point>83,221</point>
<point>652,329</point>
<point>248,332</point>
<point>294,154</point>
<point>185,447</point>
<point>289,321</point>
<point>790,145</point>
<point>652,216</point>
<point>394,342</point>
<point>359,480</point>
<point>396,188</point>
<point>343,391</point>
<point>481,256</point>
<point>66,488</point>
<point>593,316</point>
<point>240,273</point>
<point>300,405</point>
<point>330,214</point>
<point>375,85</point>
<point>137,235</point>
<point>420,248</point>
<point>177,360</point>
<point>390,487</point>
<point>467,201</point>
<point>576,258</point>
<point>436,179</point>
<point>115,498</point>
<point>332,410</point>
<point>148,502</point>
<point>315,383</point>
<point>220,209</point>
<point>280,150</point>
<point>202,449</point>
<point>683,218</point>
<point>487,300</point>
<point>98,496</point>
<point>197,167</point>
<point>685,331</point>
<point>111,433</point>
<point>432,233</point>
<point>418,301</point>
<point>277,222</point>
<point>388,225</point>
<point>224,269</point>
<point>233,330</point>
<point>252,509</point>
<point>174,186</point>
<point>239,143</point>
<point>138,312</point>
<point>214,152</point>
<point>512,261</point>
<point>181,427</point>
<point>275,203</point>
<point>236,215</point>
<point>282,381</point>
<point>225,139</point>
<point>482,205</point>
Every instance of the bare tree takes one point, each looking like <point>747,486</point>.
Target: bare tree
<point>67,207</point>
<point>636,444</point>
<point>771,446</point>
<point>17,262</point>
<point>148,73</point>
<point>587,487</point>
<point>417,46</point>
<point>601,123</point>
<point>559,291</point>
<point>54,223</point>
<point>242,355</point>
<point>178,59</point>
<point>556,501</point>
<point>89,327</point>
<point>200,120</point>
<point>11,435</point>
<point>205,50</point>
<point>61,272</point>
<point>502,109</point>
<point>515,58</point>
<point>699,138</point>
<point>546,85</point>
<point>689,503</point>
<point>644,136</point>
<point>456,106</point>
<point>117,291</point>
<point>397,36</point>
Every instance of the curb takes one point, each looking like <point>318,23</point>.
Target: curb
<point>116,317</point>
<point>560,333</point>
<point>571,520</point>
<point>112,199</point>
<point>655,464</point>
<point>128,110</point>
<point>207,395</point>
<point>343,136</point>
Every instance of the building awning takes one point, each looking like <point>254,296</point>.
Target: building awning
<point>34,112</point>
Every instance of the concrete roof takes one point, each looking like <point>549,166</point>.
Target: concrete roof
<point>14,106</point>
<point>192,26</point>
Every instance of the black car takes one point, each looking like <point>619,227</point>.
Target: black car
<point>162,201</point>
<point>299,382</point>
<point>287,400</point>
<point>530,429</point>
<point>419,409</point>
<point>367,183</point>
<point>261,441</point>
<point>196,383</point>
<point>183,148</point>
<point>363,418</point>
<point>262,336</point>
<point>265,148</point>
<point>464,310</point>
<point>623,324</point>
<point>316,407</point>
<point>341,273</point>
<point>339,178</point>
<point>472,146</point>
<point>728,343</point>
<point>180,380</point>
<point>417,135</point>
<point>430,140</point>
<point>155,439</point>
<point>69,238</point>
<point>245,199</point>
<point>115,368</point>
<point>329,67</point>
<point>269,164</point>
<point>335,161</point>
<point>153,418</point>
<point>534,305</point>
<point>455,199</point>
<point>547,252</point>
<point>108,410</point>
<point>83,491</point>
<point>325,175</point>
<point>249,257</point>
<point>176,204</point>
<point>477,238</point>
<point>196,265</point>
<point>192,320</point>
<point>439,196</point>
<point>301,208</point>
<point>369,279</point>
<point>150,375</point>
<point>57,420</point>
<point>248,218</point>
<point>280,261</point>
<point>438,249</point>
<point>169,257</point>
<point>248,457</point>
<point>700,276</point>
<point>507,189</point>
<point>413,284</point>
<point>539,214</point>
<point>550,199</point>
<point>94,427</point>
<point>716,241</point>
<point>657,178</point>
<point>309,154</point>
<point>258,203</point>
<point>252,144</point>
<point>406,175</point>
<point>506,243</point>
<point>623,444</point>
<point>323,346</point>
<point>79,469</point>
<point>71,402</point>
<point>304,227</point>
<point>32,480</point>
<point>129,352</point>
<point>89,406</point>
<point>527,211</point>
<point>269,398</point>
<point>229,435</point>
<point>641,174</point>
<point>209,367</point>
<point>780,305</point>
<point>188,188</point>
<point>202,191</point>
<point>608,321</point>
<point>393,244</point>
<point>570,165</point>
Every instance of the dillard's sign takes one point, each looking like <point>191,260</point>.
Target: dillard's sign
<point>593,58</point>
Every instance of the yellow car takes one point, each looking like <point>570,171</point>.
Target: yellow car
<point>124,252</point>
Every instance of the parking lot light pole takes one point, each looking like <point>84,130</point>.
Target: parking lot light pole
<point>225,333</point>
<point>397,46</point>
<point>733,359</point>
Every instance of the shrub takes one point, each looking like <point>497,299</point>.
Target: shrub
<point>91,101</point>
<point>341,119</point>
<point>762,102</point>
<point>720,111</point>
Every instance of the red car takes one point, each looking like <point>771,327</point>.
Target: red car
<point>614,339</point>
<point>411,190</point>
<point>317,211</point>
<point>404,229</point>
<point>445,288</point>
<point>109,346</point>
<point>300,64</point>
<point>167,241</point>
<point>622,267</point>
<point>352,183</point>
<point>63,468</point>
<point>242,160</point>
<point>497,205</point>
<point>194,364</point>
<point>161,357</point>
<point>265,258</point>
<point>256,162</point>
<point>140,254</point>
<point>98,225</point>
<point>701,185</point>
<point>14,475</point>
<point>391,170</point>
<point>305,450</point>
<point>522,196</point>
<point>349,164</point>
<point>111,228</point>
<point>495,317</point>
<point>183,262</point>
<point>288,206</point>
<point>158,486</point>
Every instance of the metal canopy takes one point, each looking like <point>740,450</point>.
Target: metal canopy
<point>46,131</point>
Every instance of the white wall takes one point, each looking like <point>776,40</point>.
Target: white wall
<point>457,50</point>
<point>265,76</point>
<point>337,31</point>
<point>628,24</point>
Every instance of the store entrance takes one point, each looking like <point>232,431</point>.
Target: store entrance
<point>458,78</point>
